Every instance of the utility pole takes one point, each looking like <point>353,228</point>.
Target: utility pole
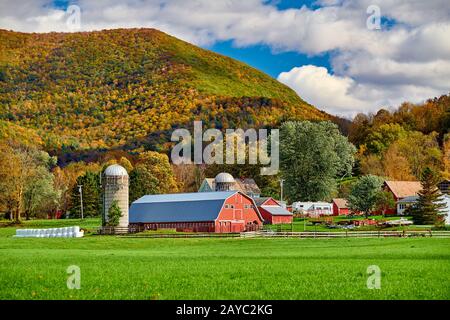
<point>281,187</point>
<point>81,200</point>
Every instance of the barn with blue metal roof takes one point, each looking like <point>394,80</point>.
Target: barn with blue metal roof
<point>222,212</point>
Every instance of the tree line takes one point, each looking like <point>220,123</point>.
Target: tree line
<point>32,185</point>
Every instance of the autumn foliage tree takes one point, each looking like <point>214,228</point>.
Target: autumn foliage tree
<point>152,175</point>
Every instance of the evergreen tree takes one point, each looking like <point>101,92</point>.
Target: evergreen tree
<point>90,183</point>
<point>429,205</point>
<point>114,214</point>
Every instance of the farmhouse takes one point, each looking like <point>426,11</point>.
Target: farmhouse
<point>221,212</point>
<point>225,181</point>
<point>446,210</point>
<point>272,211</point>
<point>340,207</point>
<point>405,203</point>
<point>401,190</point>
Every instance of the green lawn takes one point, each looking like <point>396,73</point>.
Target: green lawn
<point>121,268</point>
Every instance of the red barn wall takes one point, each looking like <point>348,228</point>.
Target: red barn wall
<point>340,211</point>
<point>281,219</point>
<point>269,218</point>
<point>238,214</point>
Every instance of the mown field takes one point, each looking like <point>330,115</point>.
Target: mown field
<point>120,268</point>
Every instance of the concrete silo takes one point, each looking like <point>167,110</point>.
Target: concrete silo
<point>224,182</point>
<point>115,187</point>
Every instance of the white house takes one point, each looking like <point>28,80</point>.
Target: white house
<point>313,208</point>
<point>405,203</point>
<point>446,210</point>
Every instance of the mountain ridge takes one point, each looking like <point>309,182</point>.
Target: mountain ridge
<point>124,88</point>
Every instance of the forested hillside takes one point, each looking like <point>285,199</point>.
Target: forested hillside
<point>129,87</point>
<point>400,144</point>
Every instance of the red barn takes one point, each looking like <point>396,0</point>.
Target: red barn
<point>272,212</point>
<point>222,212</point>
<point>340,207</point>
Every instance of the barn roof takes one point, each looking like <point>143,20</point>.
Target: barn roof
<point>403,189</point>
<point>247,185</point>
<point>277,210</point>
<point>179,207</point>
<point>183,197</point>
<point>341,203</point>
<point>261,200</point>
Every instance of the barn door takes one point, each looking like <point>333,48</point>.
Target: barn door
<point>237,214</point>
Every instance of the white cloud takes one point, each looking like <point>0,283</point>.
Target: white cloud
<point>344,96</point>
<point>326,91</point>
<point>408,61</point>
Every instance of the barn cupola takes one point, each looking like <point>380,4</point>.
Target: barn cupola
<point>224,182</point>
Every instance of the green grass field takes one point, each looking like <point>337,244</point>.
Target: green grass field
<point>121,268</point>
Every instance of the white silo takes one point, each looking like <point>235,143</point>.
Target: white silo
<point>115,187</point>
<point>224,182</point>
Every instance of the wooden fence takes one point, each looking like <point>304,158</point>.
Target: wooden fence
<point>183,235</point>
<point>347,234</point>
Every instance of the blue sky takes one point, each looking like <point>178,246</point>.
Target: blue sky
<point>333,53</point>
<point>265,59</point>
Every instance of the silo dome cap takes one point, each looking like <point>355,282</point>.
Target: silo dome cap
<point>116,170</point>
<point>224,177</point>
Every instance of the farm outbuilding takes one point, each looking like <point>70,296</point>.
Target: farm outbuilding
<point>272,211</point>
<point>340,207</point>
<point>221,212</point>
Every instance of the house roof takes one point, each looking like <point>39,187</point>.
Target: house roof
<point>277,210</point>
<point>210,182</point>
<point>182,207</point>
<point>403,189</point>
<point>341,203</point>
<point>409,199</point>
